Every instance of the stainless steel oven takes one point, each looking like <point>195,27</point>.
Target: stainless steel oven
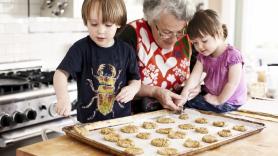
<point>27,100</point>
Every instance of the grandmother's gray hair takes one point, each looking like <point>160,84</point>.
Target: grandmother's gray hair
<point>181,9</point>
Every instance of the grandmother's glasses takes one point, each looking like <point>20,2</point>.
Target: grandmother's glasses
<point>170,34</point>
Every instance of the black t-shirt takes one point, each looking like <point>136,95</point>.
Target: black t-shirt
<point>100,74</point>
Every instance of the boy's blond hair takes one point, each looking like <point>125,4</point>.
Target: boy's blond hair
<point>112,11</point>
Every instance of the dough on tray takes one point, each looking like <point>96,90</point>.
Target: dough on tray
<point>186,126</point>
<point>134,150</point>
<point>163,130</point>
<point>143,135</point>
<point>149,125</point>
<point>112,137</point>
<point>126,143</point>
<point>165,120</point>
<point>202,130</point>
<point>80,130</point>
<point>160,142</point>
<point>218,123</point>
<point>225,133</point>
<point>106,130</point>
<point>177,135</point>
<point>191,143</point>
<point>167,151</point>
<point>240,128</point>
<point>209,138</point>
<point>129,129</point>
<point>201,120</point>
<point>183,116</point>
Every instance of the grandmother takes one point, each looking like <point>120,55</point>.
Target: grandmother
<point>163,50</point>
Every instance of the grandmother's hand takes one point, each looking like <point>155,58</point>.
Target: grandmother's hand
<point>166,98</point>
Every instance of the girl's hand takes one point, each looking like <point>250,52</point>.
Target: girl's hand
<point>212,99</point>
<point>63,107</point>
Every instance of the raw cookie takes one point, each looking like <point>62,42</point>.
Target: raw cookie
<point>149,125</point>
<point>134,150</point>
<point>191,143</point>
<point>126,143</point>
<point>202,130</point>
<point>106,130</point>
<point>186,126</point>
<point>80,130</point>
<point>129,129</point>
<point>112,137</point>
<point>224,133</point>
<point>201,120</point>
<point>218,123</point>
<point>176,135</point>
<point>240,128</point>
<point>160,142</point>
<point>143,135</point>
<point>167,151</point>
<point>183,116</point>
<point>164,130</point>
<point>209,138</point>
<point>165,120</point>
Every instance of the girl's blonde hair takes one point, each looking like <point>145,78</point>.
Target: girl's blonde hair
<point>206,22</point>
<point>112,11</point>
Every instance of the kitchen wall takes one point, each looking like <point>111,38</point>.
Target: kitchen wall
<point>44,38</point>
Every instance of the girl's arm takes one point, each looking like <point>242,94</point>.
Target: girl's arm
<point>234,76</point>
<point>60,82</point>
<point>194,79</point>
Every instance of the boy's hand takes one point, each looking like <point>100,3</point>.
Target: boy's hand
<point>63,107</point>
<point>126,94</point>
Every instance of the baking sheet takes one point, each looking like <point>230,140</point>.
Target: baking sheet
<point>96,139</point>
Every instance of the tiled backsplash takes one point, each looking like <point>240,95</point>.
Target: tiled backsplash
<point>48,39</point>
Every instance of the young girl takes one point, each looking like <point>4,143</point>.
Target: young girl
<point>222,63</point>
<point>105,68</point>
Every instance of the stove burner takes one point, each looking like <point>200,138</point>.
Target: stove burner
<point>14,82</point>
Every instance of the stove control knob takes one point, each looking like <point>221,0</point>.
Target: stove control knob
<point>30,114</point>
<point>5,120</point>
<point>19,117</point>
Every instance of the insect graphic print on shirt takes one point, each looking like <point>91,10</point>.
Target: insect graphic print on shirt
<point>105,93</point>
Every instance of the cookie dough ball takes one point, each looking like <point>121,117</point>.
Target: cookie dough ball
<point>191,143</point>
<point>134,150</point>
<point>202,130</point>
<point>160,142</point>
<point>240,128</point>
<point>218,123</point>
<point>149,125</point>
<point>164,130</point>
<point>183,116</point>
<point>176,135</point>
<point>80,130</point>
<point>209,138</point>
<point>186,126</point>
<point>201,120</point>
<point>112,137</point>
<point>224,133</point>
<point>106,130</point>
<point>167,151</point>
<point>143,135</point>
<point>165,120</point>
<point>126,143</point>
<point>129,129</point>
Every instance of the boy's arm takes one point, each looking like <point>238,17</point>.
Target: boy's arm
<point>60,82</point>
<point>234,77</point>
